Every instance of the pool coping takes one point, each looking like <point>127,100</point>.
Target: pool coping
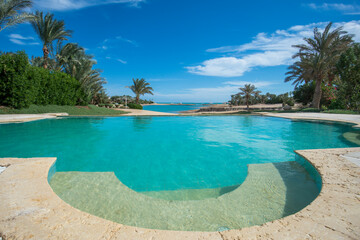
<point>345,118</point>
<point>21,118</point>
<point>29,209</point>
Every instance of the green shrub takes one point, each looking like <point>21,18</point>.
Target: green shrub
<point>290,102</point>
<point>348,86</point>
<point>135,106</point>
<point>22,84</point>
<point>337,104</point>
<point>15,90</point>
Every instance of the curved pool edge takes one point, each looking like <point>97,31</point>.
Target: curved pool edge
<point>332,117</point>
<point>30,209</point>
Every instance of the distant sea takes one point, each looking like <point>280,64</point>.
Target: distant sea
<point>175,108</point>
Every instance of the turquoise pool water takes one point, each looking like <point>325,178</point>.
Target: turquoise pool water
<point>204,173</point>
<point>169,153</point>
<point>173,108</point>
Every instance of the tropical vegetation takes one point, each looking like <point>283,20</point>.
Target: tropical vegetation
<point>90,110</point>
<point>257,98</point>
<point>141,87</point>
<point>49,29</point>
<point>11,12</point>
<point>135,106</point>
<point>125,99</point>
<point>62,60</point>
<point>326,75</point>
<point>317,60</point>
<point>347,86</point>
<point>23,84</point>
<point>248,91</point>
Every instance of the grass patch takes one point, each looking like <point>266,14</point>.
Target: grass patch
<point>90,110</point>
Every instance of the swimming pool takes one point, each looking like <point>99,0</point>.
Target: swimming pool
<point>190,173</point>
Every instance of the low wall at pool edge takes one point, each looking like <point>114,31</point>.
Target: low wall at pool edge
<point>310,168</point>
<point>52,171</point>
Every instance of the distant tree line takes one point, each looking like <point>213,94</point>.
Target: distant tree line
<point>248,95</point>
<point>128,99</point>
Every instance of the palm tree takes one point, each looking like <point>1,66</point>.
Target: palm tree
<point>141,87</point>
<point>66,55</point>
<point>247,91</point>
<point>80,66</point>
<point>318,58</point>
<point>49,30</point>
<point>10,12</point>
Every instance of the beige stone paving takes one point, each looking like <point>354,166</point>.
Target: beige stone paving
<point>29,209</point>
<point>16,118</point>
<point>349,118</point>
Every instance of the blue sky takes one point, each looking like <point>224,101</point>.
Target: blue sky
<point>190,50</point>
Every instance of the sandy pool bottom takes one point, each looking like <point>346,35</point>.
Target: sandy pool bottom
<point>270,191</point>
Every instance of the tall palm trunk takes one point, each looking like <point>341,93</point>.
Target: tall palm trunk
<point>137,99</point>
<point>247,103</point>
<point>46,55</point>
<point>317,94</point>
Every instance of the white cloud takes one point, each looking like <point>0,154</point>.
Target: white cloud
<point>116,59</point>
<point>18,36</point>
<point>120,38</point>
<point>109,43</point>
<point>266,50</point>
<point>121,61</point>
<point>64,5</point>
<point>21,40</point>
<point>350,9</point>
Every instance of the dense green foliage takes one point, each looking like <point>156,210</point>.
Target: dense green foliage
<point>69,58</point>
<point>90,110</point>
<point>134,106</point>
<point>22,84</point>
<point>344,91</point>
<point>348,86</point>
<point>304,93</point>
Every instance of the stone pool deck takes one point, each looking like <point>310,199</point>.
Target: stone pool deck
<point>29,209</point>
<point>18,118</point>
<point>349,118</point>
